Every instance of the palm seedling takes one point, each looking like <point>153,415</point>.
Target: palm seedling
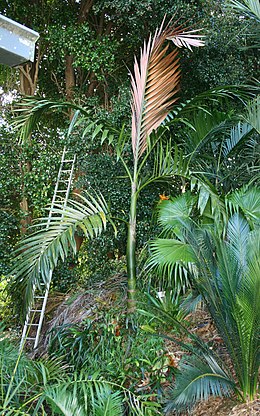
<point>222,258</point>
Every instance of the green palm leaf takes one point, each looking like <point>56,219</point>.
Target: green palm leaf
<point>63,401</point>
<point>252,115</point>
<point>197,380</point>
<point>38,253</point>
<point>167,252</point>
<point>175,213</point>
<point>248,201</point>
<point>237,235</point>
<point>31,109</point>
<point>238,134</point>
<point>251,10</point>
<point>106,402</point>
<point>200,102</point>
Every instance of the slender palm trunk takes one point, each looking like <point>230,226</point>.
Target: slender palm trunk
<point>131,254</point>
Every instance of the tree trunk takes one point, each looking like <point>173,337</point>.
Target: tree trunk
<point>28,75</point>
<point>131,253</point>
<point>69,77</point>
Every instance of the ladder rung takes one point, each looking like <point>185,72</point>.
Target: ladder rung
<point>39,297</point>
<point>65,170</point>
<point>61,191</point>
<point>68,160</point>
<point>33,325</point>
<point>30,338</point>
<point>36,310</point>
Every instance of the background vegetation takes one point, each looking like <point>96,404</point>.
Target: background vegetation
<point>84,54</point>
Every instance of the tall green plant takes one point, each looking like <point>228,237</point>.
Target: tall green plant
<point>154,86</point>
<point>222,259</point>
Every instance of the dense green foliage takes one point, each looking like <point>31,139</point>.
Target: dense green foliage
<point>222,258</point>
<point>207,162</point>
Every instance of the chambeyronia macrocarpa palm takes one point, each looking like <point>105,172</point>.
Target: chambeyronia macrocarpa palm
<point>155,81</point>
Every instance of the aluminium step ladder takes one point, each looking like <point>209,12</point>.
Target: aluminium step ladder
<point>35,314</point>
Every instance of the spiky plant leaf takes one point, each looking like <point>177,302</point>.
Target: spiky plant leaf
<point>200,102</point>
<point>250,8</point>
<point>63,401</point>
<point>175,213</point>
<point>170,254</point>
<point>30,110</point>
<point>188,39</point>
<point>237,235</point>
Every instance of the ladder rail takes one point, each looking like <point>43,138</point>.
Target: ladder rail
<point>38,332</point>
<point>28,320</point>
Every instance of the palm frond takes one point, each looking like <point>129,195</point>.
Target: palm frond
<point>200,102</point>
<point>168,253</point>
<point>176,212</point>
<point>248,201</point>
<point>64,401</point>
<point>238,134</point>
<point>31,109</point>
<point>252,115</point>
<point>237,236</point>
<point>155,82</point>
<point>39,252</point>
<point>197,380</point>
<point>168,160</point>
<point>249,8</point>
<point>188,39</point>
<point>97,397</point>
<point>107,402</point>
<point>206,127</point>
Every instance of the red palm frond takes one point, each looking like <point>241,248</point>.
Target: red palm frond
<point>155,82</point>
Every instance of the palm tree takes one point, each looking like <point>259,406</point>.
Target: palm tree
<point>155,83</point>
<point>223,261</point>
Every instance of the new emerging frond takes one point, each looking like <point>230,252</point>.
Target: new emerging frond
<point>155,82</point>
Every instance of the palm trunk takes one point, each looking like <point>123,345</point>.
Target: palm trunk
<point>130,253</point>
